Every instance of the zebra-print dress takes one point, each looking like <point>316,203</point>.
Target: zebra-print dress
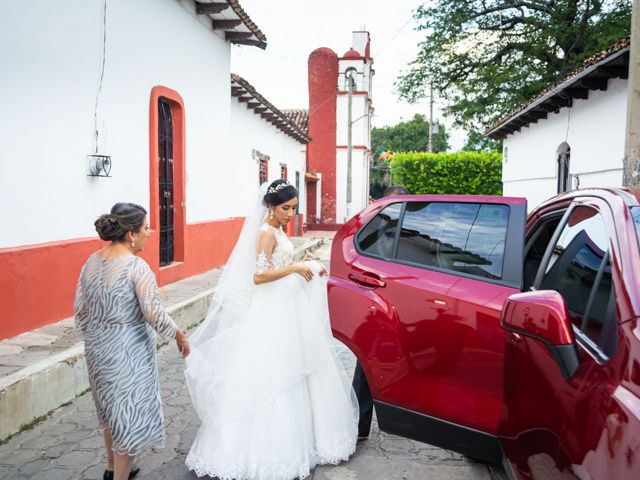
<point>117,309</point>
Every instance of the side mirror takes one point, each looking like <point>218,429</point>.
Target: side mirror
<point>543,315</point>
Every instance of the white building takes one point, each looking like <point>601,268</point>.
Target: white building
<point>146,85</point>
<point>572,134</point>
<point>266,143</point>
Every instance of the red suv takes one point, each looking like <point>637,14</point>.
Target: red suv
<point>508,338</point>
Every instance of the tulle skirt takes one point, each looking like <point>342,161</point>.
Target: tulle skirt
<point>270,391</point>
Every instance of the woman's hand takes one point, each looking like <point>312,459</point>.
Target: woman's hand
<point>183,343</point>
<point>323,271</point>
<point>304,270</point>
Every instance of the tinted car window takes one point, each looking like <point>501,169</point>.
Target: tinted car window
<point>461,237</point>
<point>377,237</point>
<point>580,253</point>
<point>536,246</point>
<point>600,307</point>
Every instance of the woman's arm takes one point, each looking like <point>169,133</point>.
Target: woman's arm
<point>264,272</point>
<point>151,306</point>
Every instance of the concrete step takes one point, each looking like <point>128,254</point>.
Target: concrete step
<point>44,369</point>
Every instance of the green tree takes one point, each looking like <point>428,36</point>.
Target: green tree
<point>406,136</point>
<point>485,57</point>
<point>476,141</point>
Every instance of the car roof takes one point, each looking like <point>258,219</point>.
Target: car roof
<point>631,196</point>
<point>454,198</point>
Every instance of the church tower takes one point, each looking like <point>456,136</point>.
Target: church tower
<point>339,154</point>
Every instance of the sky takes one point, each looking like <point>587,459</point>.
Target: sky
<point>294,28</point>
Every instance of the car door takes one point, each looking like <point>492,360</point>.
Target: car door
<point>557,424</point>
<point>431,275</point>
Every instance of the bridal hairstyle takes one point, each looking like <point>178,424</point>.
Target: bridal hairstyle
<point>279,191</point>
<point>124,217</point>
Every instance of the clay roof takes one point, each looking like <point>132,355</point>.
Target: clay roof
<point>352,54</point>
<point>591,75</point>
<point>246,93</point>
<point>298,117</point>
<point>230,17</point>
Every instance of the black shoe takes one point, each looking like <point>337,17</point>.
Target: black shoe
<point>108,474</point>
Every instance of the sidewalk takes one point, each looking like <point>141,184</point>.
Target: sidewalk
<point>43,369</point>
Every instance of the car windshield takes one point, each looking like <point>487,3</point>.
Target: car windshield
<point>635,213</point>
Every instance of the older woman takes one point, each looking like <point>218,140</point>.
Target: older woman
<point>117,309</point>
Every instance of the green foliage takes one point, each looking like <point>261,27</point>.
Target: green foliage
<point>486,57</point>
<point>477,141</point>
<point>470,173</point>
<point>412,135</point>
<point>406,136</point>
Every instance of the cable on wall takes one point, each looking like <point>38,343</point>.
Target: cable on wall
<point>104,57</point>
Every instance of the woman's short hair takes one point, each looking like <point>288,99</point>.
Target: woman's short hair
<point>279,191</point>
<point>124,217</point>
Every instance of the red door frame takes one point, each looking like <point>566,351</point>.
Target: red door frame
<point>179,155</point>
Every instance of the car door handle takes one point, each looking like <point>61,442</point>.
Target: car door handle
<point>366,280</point>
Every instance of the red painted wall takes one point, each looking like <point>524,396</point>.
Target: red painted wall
<point>323,81</point>
<point>38,282</point>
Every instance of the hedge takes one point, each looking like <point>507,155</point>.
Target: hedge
<point>471,173</point>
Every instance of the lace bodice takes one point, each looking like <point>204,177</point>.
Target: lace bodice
<point>282,254</point>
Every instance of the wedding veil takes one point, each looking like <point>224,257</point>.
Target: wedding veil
<point>258,342</point>
<point>230,299</point>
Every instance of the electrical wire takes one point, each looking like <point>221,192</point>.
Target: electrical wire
<point>104,56</point>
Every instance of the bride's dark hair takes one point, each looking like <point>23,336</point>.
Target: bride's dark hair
<point>279,191</point>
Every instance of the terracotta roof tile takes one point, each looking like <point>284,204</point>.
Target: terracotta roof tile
<point>285,123</point>
<point>600,57</point>
<point>299,118</point>
<point>246,19</point>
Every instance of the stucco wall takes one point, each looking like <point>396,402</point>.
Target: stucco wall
<point>251,132</point>
<point>594,129</point>
<point>51,55</point>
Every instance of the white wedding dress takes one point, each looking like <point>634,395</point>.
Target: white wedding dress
<point>264,374</point>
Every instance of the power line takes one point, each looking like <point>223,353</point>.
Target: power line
<point>104,56</point>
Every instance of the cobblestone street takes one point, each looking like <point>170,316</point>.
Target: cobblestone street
<point>67,444</point>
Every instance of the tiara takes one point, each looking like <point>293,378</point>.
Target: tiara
<point>279,187</point>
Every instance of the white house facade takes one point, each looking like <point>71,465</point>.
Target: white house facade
<point>571,135</point>
<point>266,145</point>
<point>118,100</point>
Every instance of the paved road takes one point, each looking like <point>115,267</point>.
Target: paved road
<point>68,445</point>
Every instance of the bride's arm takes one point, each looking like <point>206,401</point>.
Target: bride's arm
<point>265,272</point>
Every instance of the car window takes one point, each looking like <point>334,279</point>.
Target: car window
<point>461,237</point>
<point>537,244</point>
<point>602,306</point>
<point>579,269</point>
<point>377,236</point>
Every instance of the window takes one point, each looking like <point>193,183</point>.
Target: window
<point>580,270</point>
<point>563,153</point>
<point>378,236</point>
<point>537,244</point>
<point>461,237</point>
<point>263,171</point>
<point>283,172</point>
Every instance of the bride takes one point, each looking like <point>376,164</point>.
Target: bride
<point>264,373</point>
